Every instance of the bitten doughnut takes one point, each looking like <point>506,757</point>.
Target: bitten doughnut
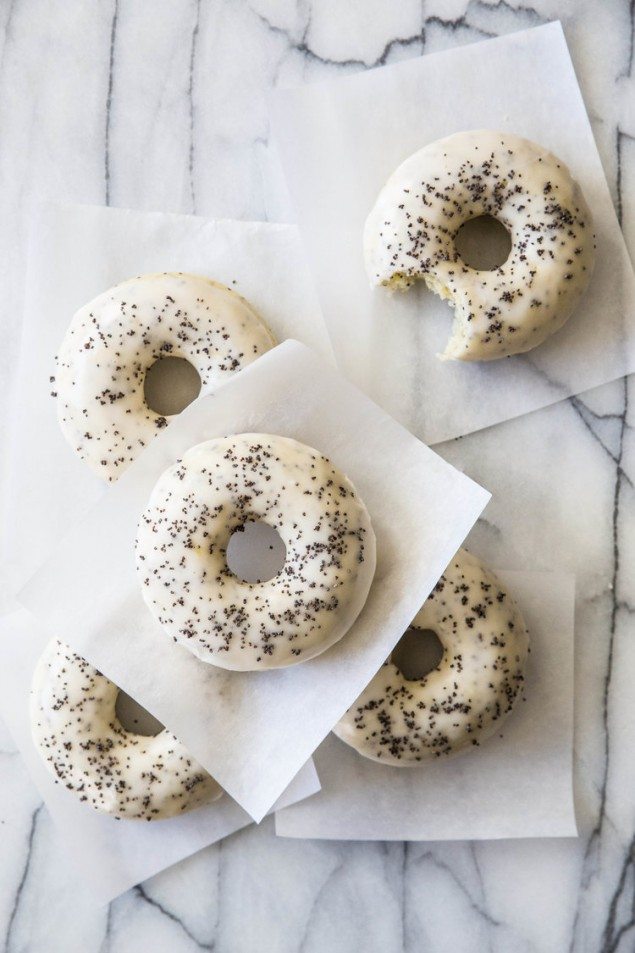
<point>461,702</point>
<point>410,235</point>
<point>114,340</point>
<point>85,747</point>
<point>216,489</point>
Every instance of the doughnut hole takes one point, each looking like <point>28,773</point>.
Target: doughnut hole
<point>417,653</point>
<point>170,384</point>
<point>483,243</point>
<point>255,552</point>
<point>134,718</point>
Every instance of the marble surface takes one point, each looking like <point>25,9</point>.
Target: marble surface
<point>160,105</point>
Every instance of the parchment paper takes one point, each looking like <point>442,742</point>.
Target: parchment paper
<point>111,856</point>
<point>518,784</point>
<point>78,251</point>
<point>254,731</point>
<point>339,141</point>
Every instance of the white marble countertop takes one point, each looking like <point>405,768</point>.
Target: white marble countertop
<point>160,105</point>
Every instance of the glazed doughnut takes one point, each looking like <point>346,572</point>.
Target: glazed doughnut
<point>410,234</point>
<point>114,340</point>
<point>217,488</point>
<point>85,747</point>
<point>461,702</point>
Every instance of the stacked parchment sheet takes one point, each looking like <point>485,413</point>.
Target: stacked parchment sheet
<point>75,253</point>
<point>339,142</point>
<point>254,731</point>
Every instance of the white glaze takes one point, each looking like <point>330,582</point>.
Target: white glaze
<point>183,535</point>
<point>410,233</point>
<point>85,747</point>
<point>462,701</point>
<point>113,341</point>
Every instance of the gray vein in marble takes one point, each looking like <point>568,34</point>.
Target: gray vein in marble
<point>596,834</point>
<point>480,17</point>
<point>111,75</point>
<point>7,29</point>
<point>619,476</point>
<point>481,885</point>
<point>582,410</point>
<point>429,857</point>
<point>304,49</point>
<point>404,868</point>
<point>219,884</point>
<point>611,415</point>
<point>527,15</point>
<point>23,879</point>
<point>584,765</point>
<point>595,838</point>
<point>576,402</point>
<point>621,136</point>
<point>487,524</point>
<point>145,896</point>
<point>105,943</point>
<point>459,23</point>
<point>190,96</point>
<point>306,933</point>
<point>612,937</point>
<point>629,65</point>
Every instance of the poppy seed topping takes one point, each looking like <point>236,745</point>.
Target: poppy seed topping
<point>214,491</point>
<point>114,340</point>
<point>463,701</point>
<point>410,235</point>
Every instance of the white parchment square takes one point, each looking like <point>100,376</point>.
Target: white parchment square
<point>518,784</point>
<point>340,140</point>
<point>254,731</point>
<point>75,253</point>
<point>110,856</point>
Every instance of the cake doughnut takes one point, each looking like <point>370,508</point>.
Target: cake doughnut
<point>216,489</point>
<point>84,746</point>
<point>114,340</point>
<point>463,701</point>
<point>411,229</point>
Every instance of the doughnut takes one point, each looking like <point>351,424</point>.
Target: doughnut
<point>463,701</point>
<point>216,489</point>
<point>114,340</point>
<point>410,234</point>
<point>85,747</point>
